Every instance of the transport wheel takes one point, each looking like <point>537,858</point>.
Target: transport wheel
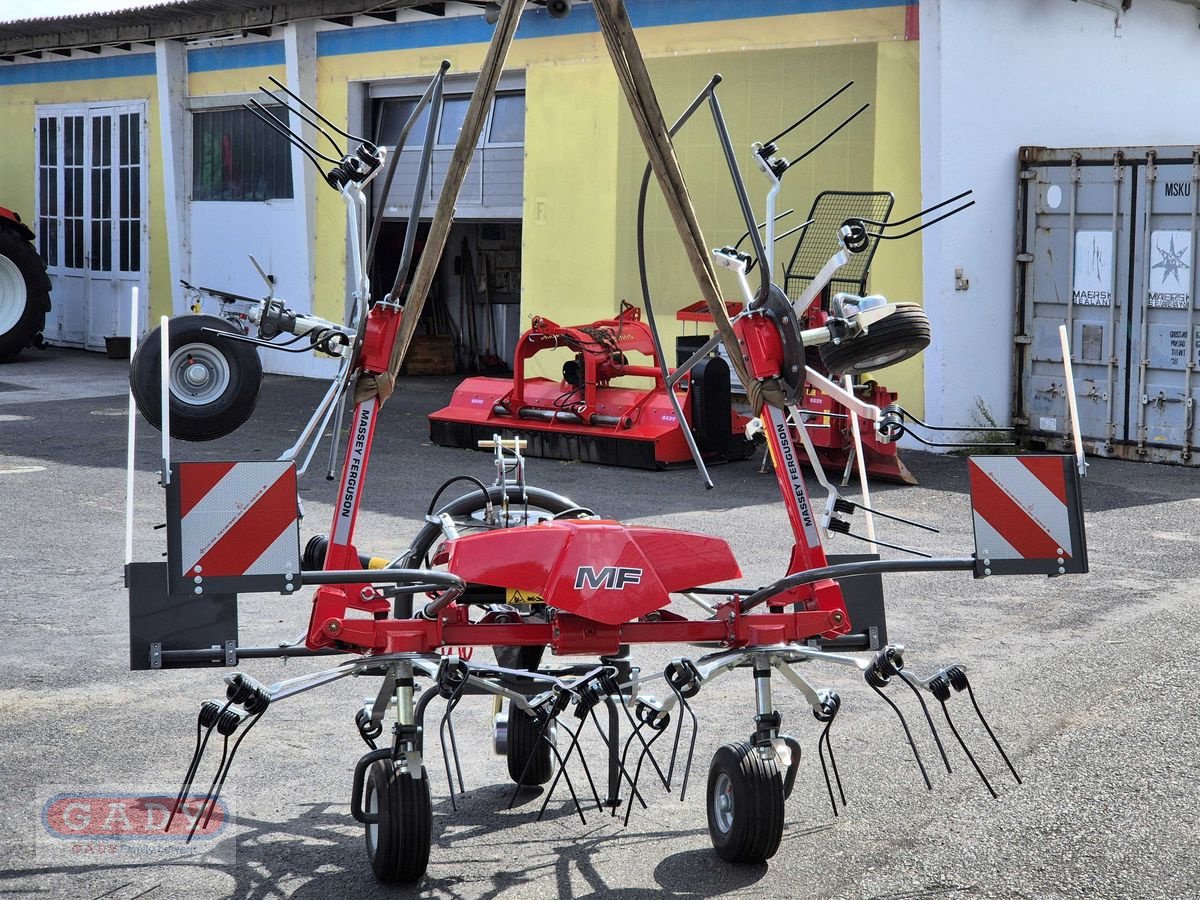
<point>398,843</point>
<point>900,336</point>
<point>214,382</point>
<point>525,743</point>
<point>24,294</point>
<point>745,804</point>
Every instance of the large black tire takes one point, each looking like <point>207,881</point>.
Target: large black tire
<point>214,381</point>
<point>900,336</point>
<point>745,804</point>
<point>530,756</point>
<point>24,294</point>
<point>398,844</point>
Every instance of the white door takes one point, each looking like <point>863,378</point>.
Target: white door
<point>92,219</point>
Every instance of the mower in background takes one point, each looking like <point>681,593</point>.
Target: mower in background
<point>599,412</point>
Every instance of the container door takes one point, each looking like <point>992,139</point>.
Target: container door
<point>1075,259</point>
<point>1165,328</point>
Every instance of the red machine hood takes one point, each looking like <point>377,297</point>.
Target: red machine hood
<point>604,571</point>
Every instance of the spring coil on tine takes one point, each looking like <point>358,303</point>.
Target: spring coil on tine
<point>654,719</point>
<point>210,712</point>
<point>451,677</point>
<point>244,691</point>
<point>884,667</point>
<point>831,703</point>
<point>890,426</point>
<point>956,677</point>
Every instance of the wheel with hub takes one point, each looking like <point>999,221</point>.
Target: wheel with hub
<point>745,804</point>
<point>900,336</point>
<point>399,839</point>
<point>214,381</point>
<point>530,756</point>
<point>24,291</point>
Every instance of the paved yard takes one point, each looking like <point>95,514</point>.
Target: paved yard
<point>1090,681</point>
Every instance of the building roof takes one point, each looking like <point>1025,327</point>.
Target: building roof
<point>187,19</point>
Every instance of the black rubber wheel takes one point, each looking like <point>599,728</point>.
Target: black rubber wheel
<point>525,743</point>
<point>398,844</point>
<point>900,336</point>
<point>745,804</point>
<point>214,381</point>
<point>24,294</point>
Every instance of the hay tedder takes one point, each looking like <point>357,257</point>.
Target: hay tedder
<point>592,588</point>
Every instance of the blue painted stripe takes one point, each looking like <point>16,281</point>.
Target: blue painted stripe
<point>236,56</point>
<point>538,24</point>
<point>78,69</point>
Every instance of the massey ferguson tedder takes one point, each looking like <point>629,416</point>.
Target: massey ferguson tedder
<point>594,588</point>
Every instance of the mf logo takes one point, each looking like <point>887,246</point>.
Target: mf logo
<point>611,577</point>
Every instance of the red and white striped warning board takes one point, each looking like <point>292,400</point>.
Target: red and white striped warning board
<point>1028,515</point>
<point>236,519</point>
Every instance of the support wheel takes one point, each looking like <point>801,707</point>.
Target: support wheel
<point>745,804</point>
<point>526,746</point>
<point>398,842</point>
<point>900,336</point>
<point>214,381</point>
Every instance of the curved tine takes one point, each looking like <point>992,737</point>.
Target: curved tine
<point>636,729</point>
<point>279,125</point>
<point>991,734</point>
<point>212,787</point>
<point>760,225</point>
<point>300,115</point>
<point>812,112</point>
<point>897,237</point>
<point>279,84</point>
<point>687,769</point>
<point>638,771</point>
<point>966,750</point>
<point>917,215</point>
<point>194,768</point>
<point>562,773</point>
<point>191,771</point>
<point>822,742</point>
<point>817,146</point>
<point>907,734</point>
<point>645,749</point>
<point>908,415</point>
<point>624,772</point>
<point>904,676</point>
<point>451,703</point>
<point>228,764</point>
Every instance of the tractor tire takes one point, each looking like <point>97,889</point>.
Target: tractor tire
<point>214,382</point>
<point>24,294</point>
<point>900,336</point>
<point>399,841</point>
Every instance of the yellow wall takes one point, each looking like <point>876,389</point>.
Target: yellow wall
<point>584,158</point>
<point>896,268</point>
<point>18,116</point>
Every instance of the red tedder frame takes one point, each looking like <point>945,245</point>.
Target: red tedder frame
<point>626,561</point>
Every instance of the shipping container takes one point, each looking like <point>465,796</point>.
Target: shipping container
<point>1105,246</point>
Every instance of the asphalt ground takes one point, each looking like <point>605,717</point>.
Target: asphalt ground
<point>1089,681</point>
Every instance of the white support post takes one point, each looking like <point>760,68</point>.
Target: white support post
<point>170,60</point>
<point>129,454</point>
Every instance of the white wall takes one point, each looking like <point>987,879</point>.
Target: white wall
<point>1000,74</point>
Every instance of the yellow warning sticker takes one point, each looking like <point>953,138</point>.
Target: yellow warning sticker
<point>516,597</point>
